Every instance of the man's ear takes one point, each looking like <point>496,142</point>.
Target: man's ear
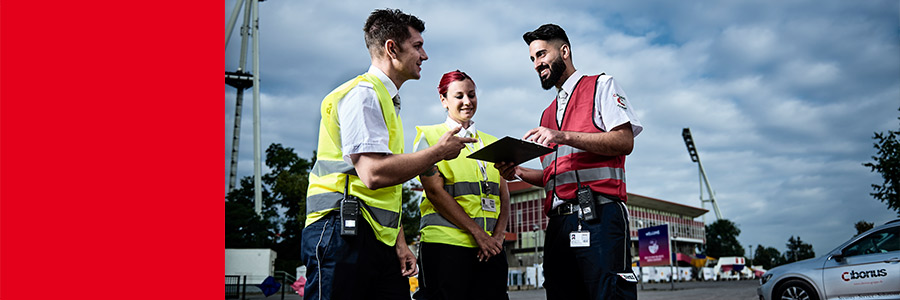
<point>564,51</point>
<point>390,48</point>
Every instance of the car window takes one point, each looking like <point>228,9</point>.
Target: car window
<point>881,241</point>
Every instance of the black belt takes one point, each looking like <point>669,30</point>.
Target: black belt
<point>570,206</point>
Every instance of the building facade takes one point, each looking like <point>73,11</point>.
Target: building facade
<point>527,222</point>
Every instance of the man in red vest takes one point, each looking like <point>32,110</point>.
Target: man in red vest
<point>592,126</point>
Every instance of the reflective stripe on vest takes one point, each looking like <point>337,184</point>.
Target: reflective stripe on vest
<point>603,174</point>
<point>437,219</point>
<point>326,167</point>
<point>380,208</point>
<point>585,175</point>
<point>464,182</point>
<point>470,188</point>
<point>327,201</point>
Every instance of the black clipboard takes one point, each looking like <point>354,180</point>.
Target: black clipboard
<point>509,149</point>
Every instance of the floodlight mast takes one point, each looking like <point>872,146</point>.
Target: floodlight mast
<point>243,80</point>
<point>692,151</point>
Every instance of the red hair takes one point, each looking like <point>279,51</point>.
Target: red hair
<point>451,77</point>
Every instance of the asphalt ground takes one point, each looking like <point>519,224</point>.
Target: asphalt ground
<point>692,290</point>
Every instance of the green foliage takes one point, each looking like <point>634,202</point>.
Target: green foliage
<point>863,226</point>
<point>797,250</point>
<point>887,163</point>
<point>243,227</point>
<point>767,257</point>
<point>411,215</point>
<point>721,239</point>
<point>284,209</point>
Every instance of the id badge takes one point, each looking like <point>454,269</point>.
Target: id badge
<point>579,239</point>
<point>488,204</point>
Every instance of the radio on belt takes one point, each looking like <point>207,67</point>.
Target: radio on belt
<point>349,211</point>
<point>586,202</point>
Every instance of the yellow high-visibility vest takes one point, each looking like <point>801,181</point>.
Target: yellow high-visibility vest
<point>381,207</point>
<point>465,182</point>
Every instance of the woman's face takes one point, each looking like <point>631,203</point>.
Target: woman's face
<point>460,101</point>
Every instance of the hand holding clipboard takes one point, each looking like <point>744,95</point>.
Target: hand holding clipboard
<point>509,149</point>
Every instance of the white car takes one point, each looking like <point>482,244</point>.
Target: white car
<point>865,267</point>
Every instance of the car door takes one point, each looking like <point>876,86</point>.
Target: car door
<point>869,267</point>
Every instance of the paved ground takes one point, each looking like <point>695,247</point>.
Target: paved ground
<point>710,290</point>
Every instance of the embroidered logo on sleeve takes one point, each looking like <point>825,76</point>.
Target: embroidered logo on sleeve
<point>620,101</point>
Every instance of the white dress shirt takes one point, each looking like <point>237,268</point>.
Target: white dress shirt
<point>363,129</point>
<point>610,112</point>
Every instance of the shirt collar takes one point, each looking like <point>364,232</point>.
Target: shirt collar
<point>388,84</point>
<point>570,83</point>
<point>463,132</point>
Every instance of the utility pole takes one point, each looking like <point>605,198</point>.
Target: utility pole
<point>243,80</point>
<point>692,151</point>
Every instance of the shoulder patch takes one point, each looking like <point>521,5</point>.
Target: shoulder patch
<point>620,101</point>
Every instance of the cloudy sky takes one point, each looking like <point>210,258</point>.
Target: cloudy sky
<point>782,98</point>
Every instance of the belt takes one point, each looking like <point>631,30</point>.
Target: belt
<point>570,206</point>
<point>563,209</point>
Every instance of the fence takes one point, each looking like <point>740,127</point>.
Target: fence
<point>233,287</point>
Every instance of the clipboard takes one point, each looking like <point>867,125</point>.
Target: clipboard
<point>509,149</point>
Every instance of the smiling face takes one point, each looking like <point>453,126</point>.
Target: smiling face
<point>460,101</point>
<point>409,59</point>
<point>548,62</point>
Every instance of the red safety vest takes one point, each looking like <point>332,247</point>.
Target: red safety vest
<point>603,174</point>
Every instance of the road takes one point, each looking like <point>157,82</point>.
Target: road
<point>708,290</point>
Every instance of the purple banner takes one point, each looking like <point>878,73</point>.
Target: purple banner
<point>654,246</point>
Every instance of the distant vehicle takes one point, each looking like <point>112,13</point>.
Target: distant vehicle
<point>730,268</point>
<point>865,267</point>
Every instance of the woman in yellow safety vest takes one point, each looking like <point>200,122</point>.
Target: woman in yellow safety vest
<point>465,208</point>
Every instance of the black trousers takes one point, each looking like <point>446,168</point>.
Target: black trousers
<point>454,272</point>
<point>349,268</point>
<point>594,272</point>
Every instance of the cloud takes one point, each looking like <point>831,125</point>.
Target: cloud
<point>782,98</point>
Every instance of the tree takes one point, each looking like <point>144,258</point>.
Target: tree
<point>411,214</point>
<point>243,227</point>
<point>721,239</point>
<point>283,209</point>
<point>289,180</point>
<point>767,257</point>
<point>797,250</point>
<point>863,226</point>
<point>888,164</point>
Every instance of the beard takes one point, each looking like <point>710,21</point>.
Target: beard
<point>557,68</point>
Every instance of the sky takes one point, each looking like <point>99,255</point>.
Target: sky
<point>782,97</point>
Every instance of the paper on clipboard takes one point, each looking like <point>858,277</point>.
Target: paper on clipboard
<point>509,149</point>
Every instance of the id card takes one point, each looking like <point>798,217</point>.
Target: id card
<point>579,239</point>
<point>488,204</point>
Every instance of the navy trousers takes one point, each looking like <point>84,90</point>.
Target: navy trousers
<point>595,272</point>
<point>349,268</point>
<point>451,272</point>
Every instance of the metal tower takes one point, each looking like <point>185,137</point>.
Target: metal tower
<point>692,150</point>
<point>243,80</point>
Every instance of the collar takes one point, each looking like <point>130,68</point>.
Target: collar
<point>463,132</point>
<point>385,80</point>
<point>570,83</point>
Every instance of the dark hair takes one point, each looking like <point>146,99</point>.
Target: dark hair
<point>547,32</point>
<point>451,77</point>
<point>389,24</point>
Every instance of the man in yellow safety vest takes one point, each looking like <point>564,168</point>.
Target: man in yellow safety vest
<point>353,245</point>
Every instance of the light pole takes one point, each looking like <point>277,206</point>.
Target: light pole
<point>751,254</point>
<point>535,228</point>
